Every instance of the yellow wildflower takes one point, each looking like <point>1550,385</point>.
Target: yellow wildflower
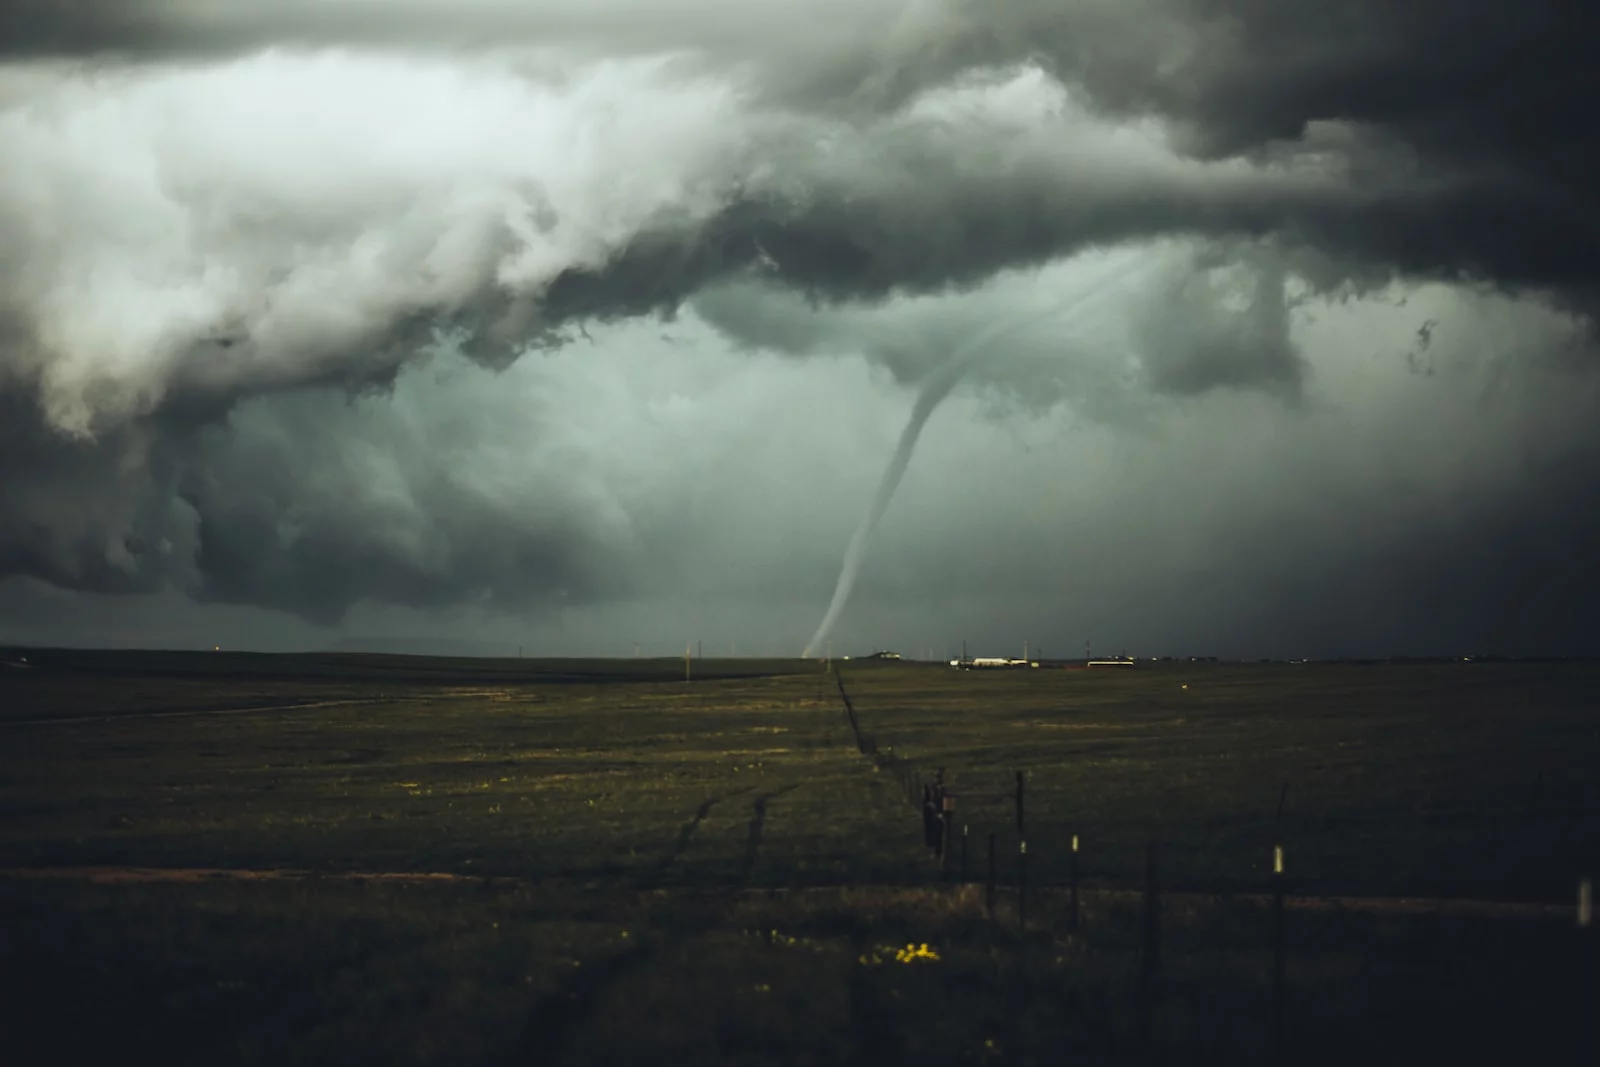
<point>916,952</point>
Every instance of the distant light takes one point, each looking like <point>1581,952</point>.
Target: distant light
<point>1185,685</point>
<point>216,648</point>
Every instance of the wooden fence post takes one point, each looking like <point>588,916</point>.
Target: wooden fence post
<point>1021,830</point>
<point>1586,1007</point>
<point>989,896</point>
<point>925,804</point>
<point>1022,858</point>
<point>946,829</point>
<point>1022,885</point>
<point>1072,904</point>
<point>1279,953</point>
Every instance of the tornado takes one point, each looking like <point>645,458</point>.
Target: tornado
<point>938,385</point>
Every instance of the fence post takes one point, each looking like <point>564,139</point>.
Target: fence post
<point>1586,1007</point>
<point>964,829</point>
<point>1150,960</point>
<point>989,896</point>
<point>1021,831</point>
<point>947,816</point>
<point>1022,885</point>
<point>1022,858</point>
<point>1072,904</point>
<point>1279,953</point>
<point>926,804</point>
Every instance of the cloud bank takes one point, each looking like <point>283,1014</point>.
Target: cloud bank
<point>228,231</point>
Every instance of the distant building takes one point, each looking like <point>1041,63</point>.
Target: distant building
<point>984,662</point>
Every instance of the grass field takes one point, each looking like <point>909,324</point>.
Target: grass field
<point>648,870</point>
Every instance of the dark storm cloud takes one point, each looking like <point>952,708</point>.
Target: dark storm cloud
<point>1194,341</point>
<point>1477,105</point>
<point>1487,99</point>
<point>1513,571</point>
<point>184,241</point>
<point>1458,132</point>
<point>310,503</point>
<point>94,514</point>
<point>1388,513</point>
<point>340,272</point>
<point>174,29</point>
<point>1199,316</point>
<point>296,511</point>
<point>946,192</point>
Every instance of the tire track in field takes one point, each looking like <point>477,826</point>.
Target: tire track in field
<point>168,713</point>
<point>1393,905</point>
<point>556,1016</point>
<point>757,822</point>
<point>686,835</point>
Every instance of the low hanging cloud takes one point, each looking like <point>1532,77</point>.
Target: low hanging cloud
<point>660,489</point>
<point>193,235</point>
<point>215,219</point>
<point>1193,317</point>
<point>1471,107</point>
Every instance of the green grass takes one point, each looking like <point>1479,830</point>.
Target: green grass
<point>1449,780</point>
<point>585,798</point>
<point>338,972</point>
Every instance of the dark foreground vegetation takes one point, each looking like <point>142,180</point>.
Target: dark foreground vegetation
<point>219,859</point>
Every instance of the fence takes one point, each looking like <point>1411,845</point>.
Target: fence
<point>939,805</point>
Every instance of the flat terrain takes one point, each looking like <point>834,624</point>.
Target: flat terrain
<point>351,858</point>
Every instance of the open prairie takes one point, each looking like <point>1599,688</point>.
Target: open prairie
<point>232,858</point>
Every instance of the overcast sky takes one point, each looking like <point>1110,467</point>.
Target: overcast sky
<point>592,326</point>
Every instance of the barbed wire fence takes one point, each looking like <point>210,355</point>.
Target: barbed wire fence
<point>927,792</point>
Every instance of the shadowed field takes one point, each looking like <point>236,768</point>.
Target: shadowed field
<point>1433,779</point>
<point>654,871</point>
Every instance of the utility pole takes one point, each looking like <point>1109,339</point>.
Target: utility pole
<point>686,661</point>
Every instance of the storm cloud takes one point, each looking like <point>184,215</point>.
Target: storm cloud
<point>262,266</point>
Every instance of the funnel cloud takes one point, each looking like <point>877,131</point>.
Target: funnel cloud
<point>938,385</point>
